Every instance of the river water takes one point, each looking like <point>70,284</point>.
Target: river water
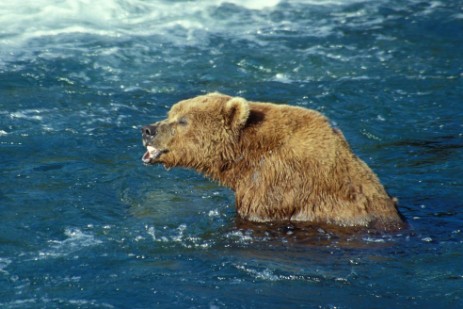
<point>84,224</point>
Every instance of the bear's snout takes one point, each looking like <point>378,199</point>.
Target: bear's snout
<point>149,130</point>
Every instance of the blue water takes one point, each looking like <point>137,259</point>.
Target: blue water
<point>84,224</point>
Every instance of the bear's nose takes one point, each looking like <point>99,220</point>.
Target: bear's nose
<point>149,130</point>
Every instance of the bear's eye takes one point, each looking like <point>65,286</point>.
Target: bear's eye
<point>182,121</point>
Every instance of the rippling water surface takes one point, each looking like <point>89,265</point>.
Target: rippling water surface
<point>85,224</point>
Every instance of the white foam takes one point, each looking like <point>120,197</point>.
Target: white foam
<point>255,4</point>
<point>4,264</point>
<point>120,18</point>
<point>28,115</point>
<point>214,213</point>
<point>175,236</point>
<point>36,18</point>
<point>75,241</point>
<point>267,274</point>
<point>240,236</point>
<point>282,78</point>
<point>374,240</point>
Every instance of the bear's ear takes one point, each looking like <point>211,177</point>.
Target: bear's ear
<point>237,112</point>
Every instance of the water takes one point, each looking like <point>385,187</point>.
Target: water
<point>85,225</point>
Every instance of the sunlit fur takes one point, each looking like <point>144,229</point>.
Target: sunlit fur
<point>284,163</point>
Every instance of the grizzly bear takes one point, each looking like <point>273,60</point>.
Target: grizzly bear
<point>284,163</point>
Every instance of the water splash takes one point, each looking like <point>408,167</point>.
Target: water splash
<point>76,240</point>
<point>176,236</point>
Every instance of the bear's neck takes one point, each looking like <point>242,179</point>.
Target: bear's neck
<point>243,167</point>
<point>227,172</point>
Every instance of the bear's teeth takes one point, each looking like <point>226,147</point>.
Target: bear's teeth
<point>150,154</point>
<point>152,150</point>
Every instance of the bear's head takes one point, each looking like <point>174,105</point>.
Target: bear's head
<point>198,133</point>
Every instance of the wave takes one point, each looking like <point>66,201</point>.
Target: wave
<point>104,33</point>
<point>106,17</point>
<point>50,29</point>
<point>32,19</point>
<point>116,18</point>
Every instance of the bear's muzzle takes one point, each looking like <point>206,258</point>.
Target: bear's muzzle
<point>152,153</point>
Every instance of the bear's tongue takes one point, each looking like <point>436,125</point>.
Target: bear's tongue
<point>151,153</point>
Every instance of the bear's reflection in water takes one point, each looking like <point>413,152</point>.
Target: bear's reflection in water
<point>319,235</point>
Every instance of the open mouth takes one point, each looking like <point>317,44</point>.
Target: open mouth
<point>151,154</point>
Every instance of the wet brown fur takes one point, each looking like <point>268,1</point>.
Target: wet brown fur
<point>284,163</point>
